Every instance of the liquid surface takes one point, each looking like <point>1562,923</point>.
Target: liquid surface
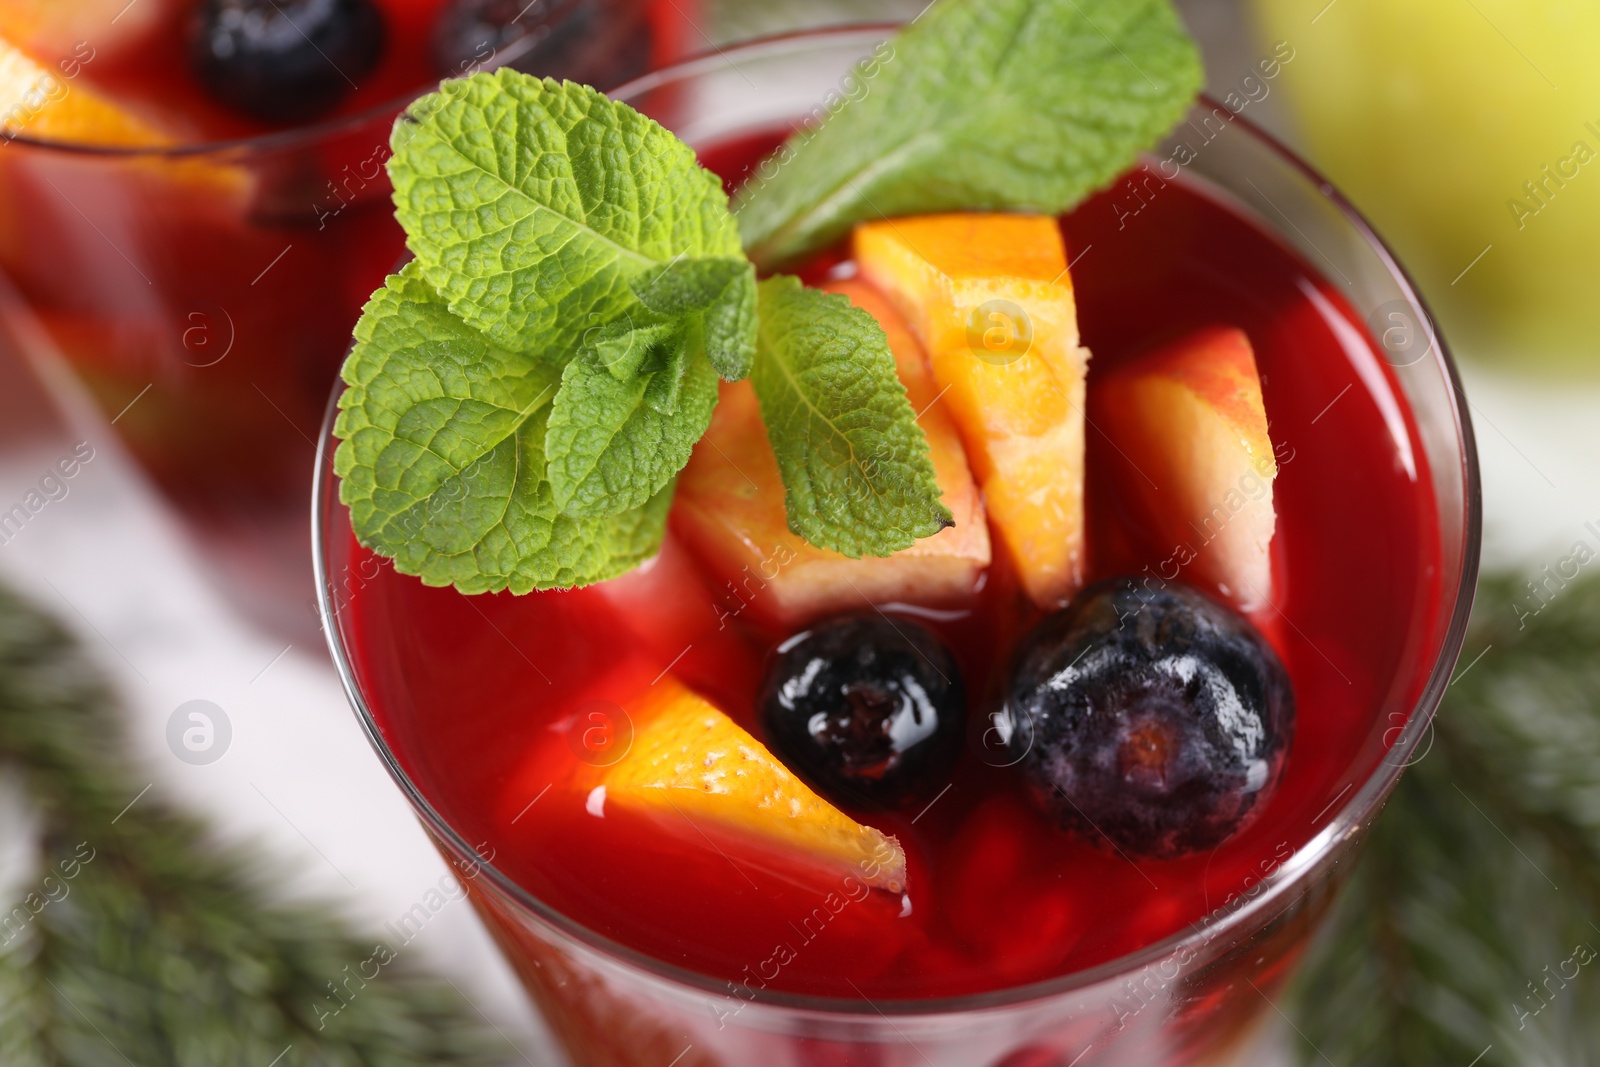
<point>479,696</point>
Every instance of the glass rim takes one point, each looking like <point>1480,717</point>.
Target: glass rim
<point>254,144</point>
<point>302,136</point>
<point>1215,926</point>
<point>290,138</point>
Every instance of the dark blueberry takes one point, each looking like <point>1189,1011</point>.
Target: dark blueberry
<point>485,34</point>
<point>285,60</point>
<point>865,709</point>
<point>1155,718</point>
<point>598,42</point>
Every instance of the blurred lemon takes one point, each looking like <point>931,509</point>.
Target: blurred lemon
<point>1469,132</point>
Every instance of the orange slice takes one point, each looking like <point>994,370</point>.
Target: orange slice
<point>991,300</point>
<point>689,759</point>
<point>730,507</point>
<point>40,101</point>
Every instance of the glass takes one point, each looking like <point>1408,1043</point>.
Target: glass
<point>201,295</point>
<point>1194,997</point>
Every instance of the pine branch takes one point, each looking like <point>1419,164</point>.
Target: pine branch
<point>1468,934</point>
<point>139,942</point>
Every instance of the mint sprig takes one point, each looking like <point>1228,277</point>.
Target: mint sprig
<point>985,105</point>
<point>855,465</point>
<point>523,394</point>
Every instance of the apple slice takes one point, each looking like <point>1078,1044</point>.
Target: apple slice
<point>690,761</point>
<point>730,509</point>
<point>991,300</point>
<point>1190,417</point>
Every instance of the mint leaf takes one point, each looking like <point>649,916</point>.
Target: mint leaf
<point>612,445</point>
<point>623,346</point>
<point>729,325</point>
<point>531,205</point>
<point>724,290</point>
<point>429,422</point>
<point>442,459</point>
<point>691,284</point>
<point>992,105</point>
<point>855,464</point>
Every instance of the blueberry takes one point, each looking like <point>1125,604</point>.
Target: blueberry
<point>1154,718</point>
<point>866,709</point>
<point>598,42</point>
<point>285,60</point>
<point>485,34</point>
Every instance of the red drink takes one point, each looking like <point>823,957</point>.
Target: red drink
<point>204,292</point>
<point>1018,943</point>
<point>606,41</point>
<point>1000,897</point>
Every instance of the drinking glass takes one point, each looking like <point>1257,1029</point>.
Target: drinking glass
<point>1194,997</point>
<point>202,294</point>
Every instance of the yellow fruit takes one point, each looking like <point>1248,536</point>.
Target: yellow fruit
<point>1468,133</point>
<point>690,760</point>
<point>40,102</point>
<point>1190,417</point>
<point>991,300</point>
<point>730,507</point>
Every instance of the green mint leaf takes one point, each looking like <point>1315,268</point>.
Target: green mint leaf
<point>612,445</point>
<point>989,105</point>
<point>666,387</point>
<point>430,422</point>
<point>729,326</point>
<point>855,464</point>
<point>1453,942</point>
<point>724,292</point>
<point>689,284</point>
<point>442,458</point>
<point>531,205</point>
<point>622,347</point>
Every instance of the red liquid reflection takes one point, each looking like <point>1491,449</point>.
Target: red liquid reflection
<point>476,694</point>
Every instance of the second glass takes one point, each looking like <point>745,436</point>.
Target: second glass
<point>203,293</point>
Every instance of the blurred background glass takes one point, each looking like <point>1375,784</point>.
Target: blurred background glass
<point>196,254</point>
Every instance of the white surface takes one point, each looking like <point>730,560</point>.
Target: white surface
<point>1536,441</point>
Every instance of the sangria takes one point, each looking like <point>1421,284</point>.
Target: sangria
<point>1067,781</point>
